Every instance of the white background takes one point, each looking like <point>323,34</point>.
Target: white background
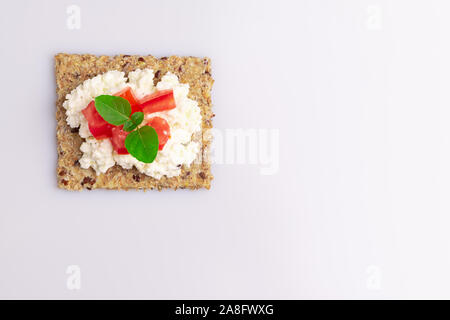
<point>360,206</point>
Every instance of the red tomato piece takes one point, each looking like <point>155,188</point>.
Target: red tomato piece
<point>118,140</point>
<point>99,128</point>
<point>128,94</point>
<point>162,128</point>
<point>136,108</point>
<point>158,101</point>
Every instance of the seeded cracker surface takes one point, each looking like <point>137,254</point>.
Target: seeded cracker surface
<point>72,69</point>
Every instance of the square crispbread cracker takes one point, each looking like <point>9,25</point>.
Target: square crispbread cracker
<point>72,69</point>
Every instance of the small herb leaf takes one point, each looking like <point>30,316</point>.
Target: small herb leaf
<point>143,144</point>
<point>129,126</point>
<point>114,110</point>
<point>137,117</point>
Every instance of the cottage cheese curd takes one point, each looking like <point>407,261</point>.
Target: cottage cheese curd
<point>184,121</point>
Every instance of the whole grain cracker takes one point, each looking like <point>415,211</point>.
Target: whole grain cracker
<point>72,69</point>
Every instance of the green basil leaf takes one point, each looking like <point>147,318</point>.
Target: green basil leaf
<point>114,110</point>
<point>132,123</point>
<point>137,117</point>
<point>143,144</point>
<point>129,126</point>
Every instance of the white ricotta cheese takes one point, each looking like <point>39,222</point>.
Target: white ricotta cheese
<point>97,154</point>
<point>107,83</point>
<point>141,81</point>
<point>184,121</point>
